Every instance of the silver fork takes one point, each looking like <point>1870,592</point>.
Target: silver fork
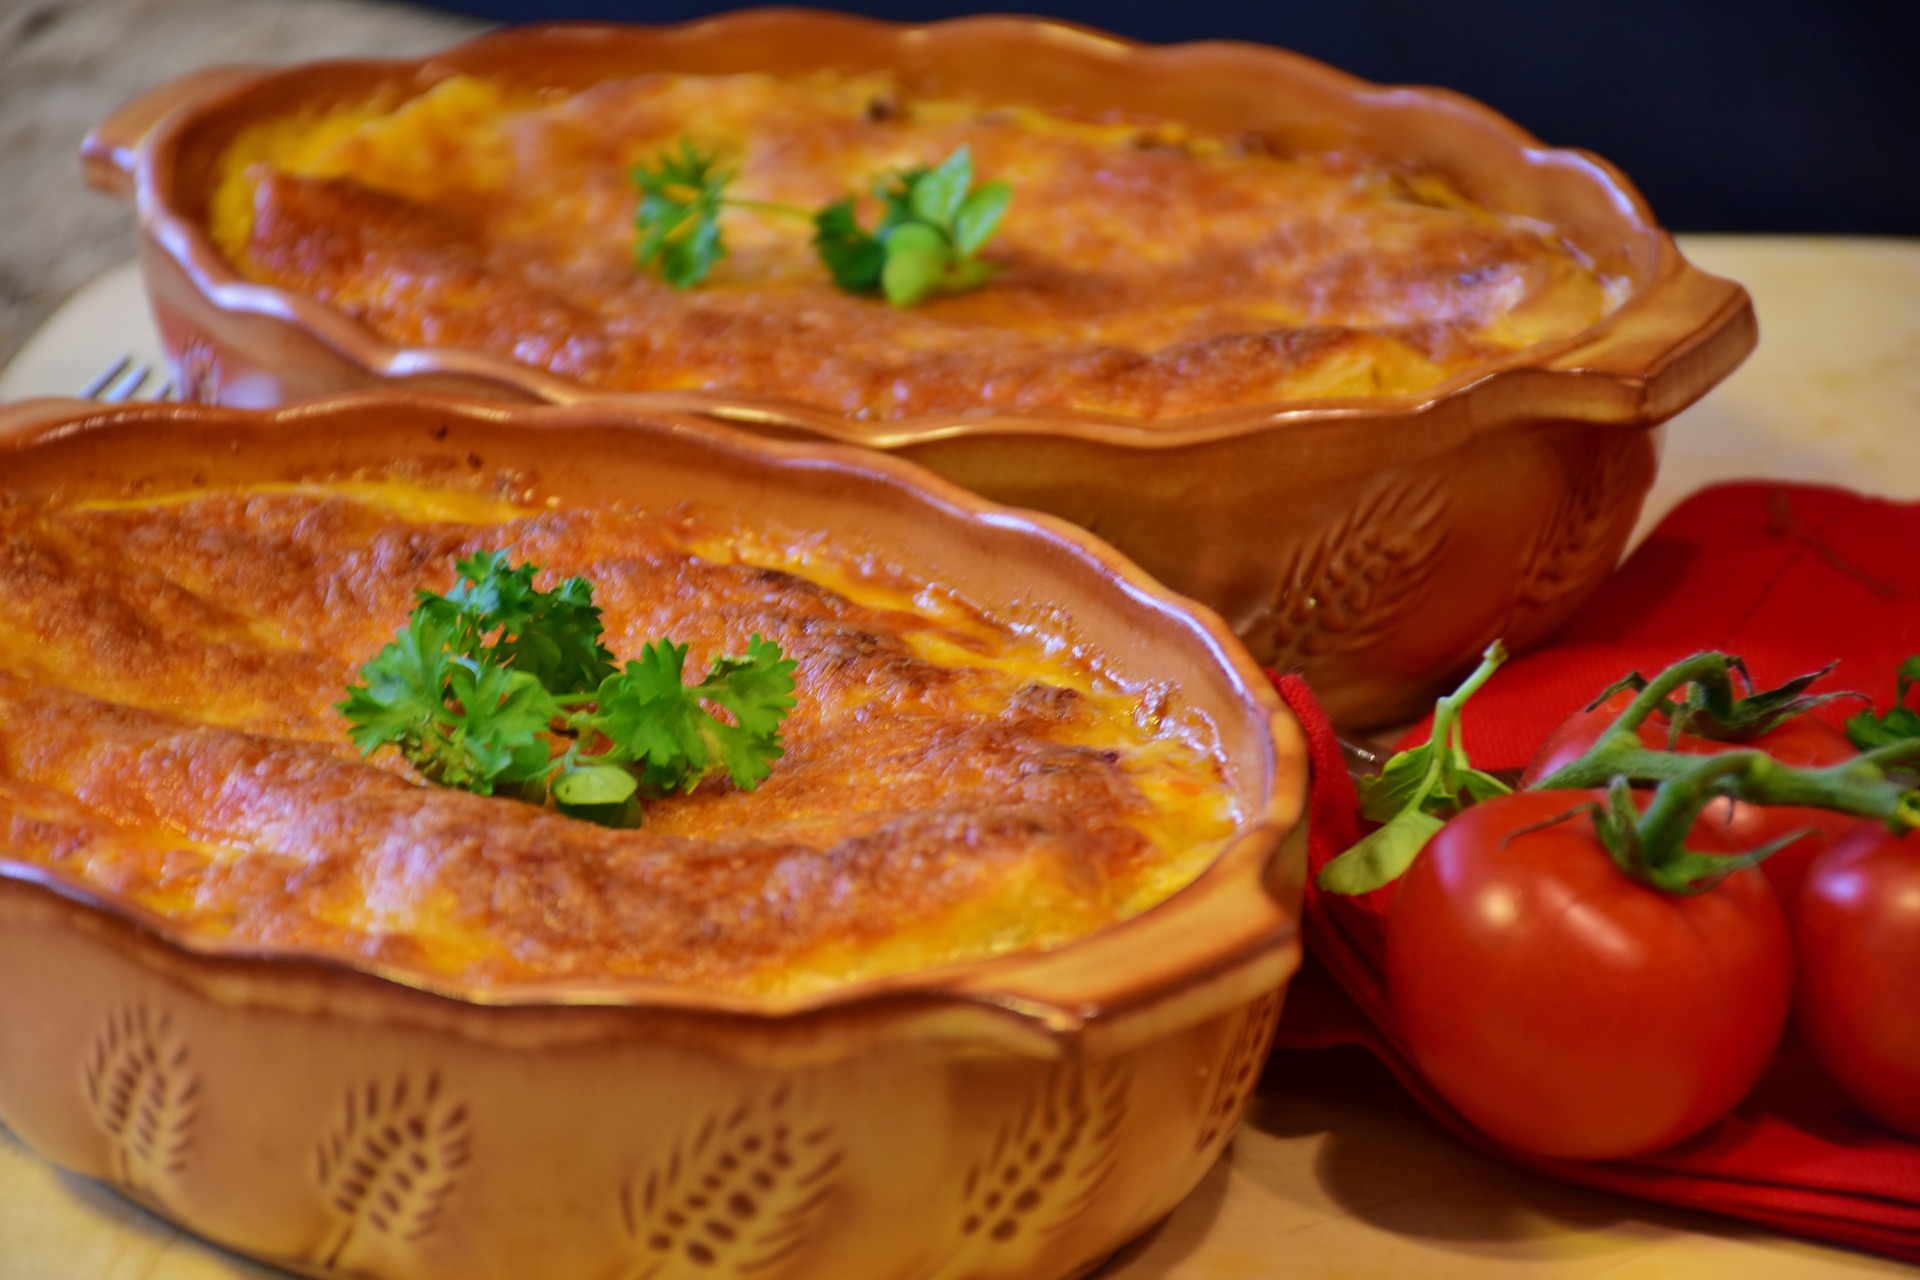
<point>122,381</point>
<point>1362,761</point>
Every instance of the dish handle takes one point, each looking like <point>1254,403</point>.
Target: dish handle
<point>1692,329</point>
<point>111,149</point>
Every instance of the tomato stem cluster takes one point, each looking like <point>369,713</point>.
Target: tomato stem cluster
<point>1651,847</point>
<point>1860,786</point>
<point>1706,695</point>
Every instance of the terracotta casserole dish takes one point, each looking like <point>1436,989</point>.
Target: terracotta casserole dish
<point>1375,542</point>
<point>340,1114</point>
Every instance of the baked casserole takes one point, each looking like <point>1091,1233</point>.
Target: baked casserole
<point>1144,269</point>
<point>1369,370</point>
<point>954,785</point>
<point>976,982</point>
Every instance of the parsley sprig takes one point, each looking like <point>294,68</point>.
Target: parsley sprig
<point>679,214</point>
<point>933,224</point>
<point>498,687</point>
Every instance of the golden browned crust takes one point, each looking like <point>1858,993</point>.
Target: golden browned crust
<point>1143,270</point>
<point>168,675</point>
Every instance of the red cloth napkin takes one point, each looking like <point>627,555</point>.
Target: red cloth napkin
<point>1790,577</point>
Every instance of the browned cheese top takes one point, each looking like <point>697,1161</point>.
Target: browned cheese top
<point>954,786</point>
<point>1145,270</point>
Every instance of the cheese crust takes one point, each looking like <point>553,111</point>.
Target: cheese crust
<point>955,786</point>
<point>1143,269</point>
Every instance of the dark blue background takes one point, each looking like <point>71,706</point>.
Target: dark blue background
<point>1730,115</point>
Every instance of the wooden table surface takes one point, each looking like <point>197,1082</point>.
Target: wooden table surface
<point>1310,1189</point>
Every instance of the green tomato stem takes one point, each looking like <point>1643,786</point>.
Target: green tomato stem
<point>1446,721</point>
<point>1858,786</point>
<point>1904,751</point>
<point>1651,848</point>
<point>767,206</point>
<point>1679,800</point>
<point>1711,669</point>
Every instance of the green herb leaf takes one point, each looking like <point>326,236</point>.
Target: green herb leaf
<point>1381,856</point>
<point>757,690</point>
<point>606,794</point>
<point>463,721</point>
<point>656,720</point>
<point>490,595</point>
<point>853,255</point>
<point>1901,723</point>
<point>498,614</point>
<point>980,217</point>
<point>917,257</point>
<point>559,643</point>
<point>946,223</point>
<point>594,785</point>
<point>895,193</point>
<point>679,215</point>
<point>499,719</point>
<point>404,697</point>
<point>936,194</point>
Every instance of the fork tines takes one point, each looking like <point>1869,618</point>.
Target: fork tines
<point>122,380</point>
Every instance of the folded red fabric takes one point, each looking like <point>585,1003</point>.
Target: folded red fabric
<point>1791,578</point>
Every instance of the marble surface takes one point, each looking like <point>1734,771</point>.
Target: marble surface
<point>64,64</point>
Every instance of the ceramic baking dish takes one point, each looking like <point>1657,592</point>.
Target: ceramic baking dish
<point>1374,544</point>
<point>1021,1115</point>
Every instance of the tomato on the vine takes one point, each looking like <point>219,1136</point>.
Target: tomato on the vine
<point>1565,1008</point>
<point>1858,1005</point>
<point>1804,741</point>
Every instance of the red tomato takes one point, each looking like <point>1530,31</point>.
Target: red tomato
<point>1804,741</point>
<point>1858,929</point>
<point>1568,1010</point>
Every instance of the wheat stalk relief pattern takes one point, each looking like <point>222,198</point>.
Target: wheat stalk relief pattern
<point>1564,552</point>
<point>1045,1164</point>
<point>738,1194</point>
<point>1344,590</point>
<point>390,1162</point>
<point>142,1095</point>
<point>1234,1082</point>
